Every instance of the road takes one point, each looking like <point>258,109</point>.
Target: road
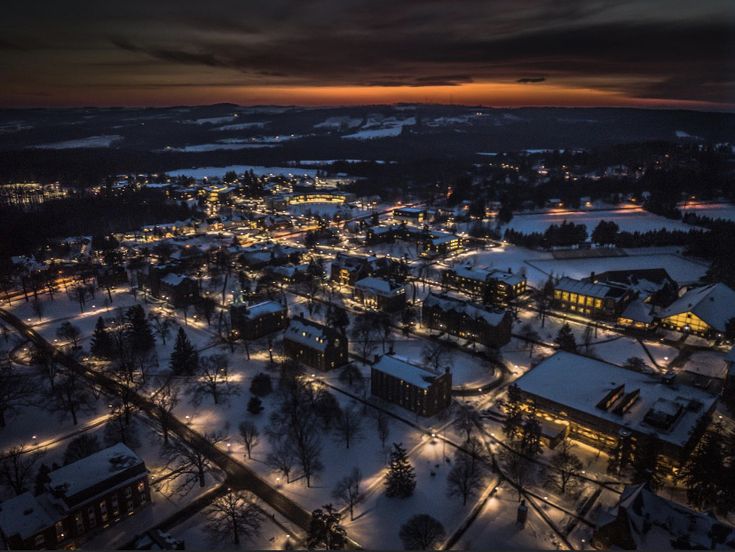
<point>238,475</point>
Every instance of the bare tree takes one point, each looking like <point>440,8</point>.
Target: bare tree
<point>467,419</point>
<point>437,356</point>
<point>518,469</point>
<point>347,490</point>
<point>121,428</point>
<point>348,425</point>
<point>37,307</point>
<point>250,436</point>
<point>165,400</point>
<point>466,476</point>
<point>382,425</point>
<point>567,465</point>
<point>282,458</point>
<point>531,336</point>
<point>69,332</point>
<point>421,532</point>
<point>365,333</point>
<point>162,325</point>
<point>213,380</point>
<point>16,391</point>
<point>80,293</point>
<point>188,465</point>
<point>17,468</point>
<point>234,517</point>
<point>70,397</point>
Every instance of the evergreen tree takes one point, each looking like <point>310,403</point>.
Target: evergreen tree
<point>702,474</point>
<point>621,456</point>
<point>646,464</point>
<point>261,385</point>
<point>42,479</point>
<point>184,358</point>
<point>81,447</point>
<point>529,443</point>
<point>325,530</point>
<point>513,414</point>
<point>400,481</point>
<point>102,345</point>
<point>255,405</point>
<point>140,336</point>
<point>565,339</point>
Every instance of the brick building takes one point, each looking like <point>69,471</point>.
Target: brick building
<point>254,321</point>
<point>491,328</point>
<point>81,499</point>
<point>489,285</point>
<point>380,294</point>
<point>315,345</point>
<point>412,387</point>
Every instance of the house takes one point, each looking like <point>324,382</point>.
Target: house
<point>315,345</point>
<point>592,300</point>
<point>81,499</point>
<point>380,294</point>
<point>704,311</point>
<point>254,321</point>
<point>643,520</point>
<point>347,268</point>
<point>490,285</point>
<point>178,289</point>
<point>270,254</point>
<point>602,403</point>
<point>412,387</point>
<point>491,328</point>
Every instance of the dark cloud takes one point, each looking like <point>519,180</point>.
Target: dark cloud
<point>529,80</point>
<point>659,49</point>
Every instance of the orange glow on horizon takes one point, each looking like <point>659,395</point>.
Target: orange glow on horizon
<point>480,94</point>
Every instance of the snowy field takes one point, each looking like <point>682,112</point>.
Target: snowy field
<point>682,270</point>
<point>217,147</point>
<point>712,210</point>
<point>630,220</point>
<point>90,142</point>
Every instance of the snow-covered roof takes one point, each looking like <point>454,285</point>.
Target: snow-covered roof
<point>482,273</point>
<point>653,522</point>
<point>588,288</point>
<point>638,311</point>
<point>173,279</point>
<point>266,307</point>
<point>583,383</point>
<point>307,333</point>
<point>25,515</point>
<point>379,285</point>
<point>409,211</point>
<point>447,303</point>
<point>93,469</point>
<point>401,368</point>
<point>715,304</point>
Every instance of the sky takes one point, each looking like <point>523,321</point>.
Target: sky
<point>655,53</point>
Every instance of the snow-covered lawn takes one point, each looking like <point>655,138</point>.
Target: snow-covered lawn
<point>629,220</point>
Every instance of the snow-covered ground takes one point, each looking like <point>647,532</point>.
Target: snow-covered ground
<point>712,210</point>
<point>104,141</point>
<point>630,220</point>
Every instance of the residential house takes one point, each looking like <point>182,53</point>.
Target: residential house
<point>254,321</point>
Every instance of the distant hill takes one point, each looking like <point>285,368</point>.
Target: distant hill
<point>143,139</point>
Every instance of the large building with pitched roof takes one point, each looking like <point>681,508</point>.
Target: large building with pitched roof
<point>704,311</point>
<point>314,344</point>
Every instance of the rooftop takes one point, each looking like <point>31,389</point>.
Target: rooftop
<point>588,289</point>
<point>715,304</point>
<point>95,468</point>
<point>602,390</point>
<point>25,515</point>
<point>401,368</point>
